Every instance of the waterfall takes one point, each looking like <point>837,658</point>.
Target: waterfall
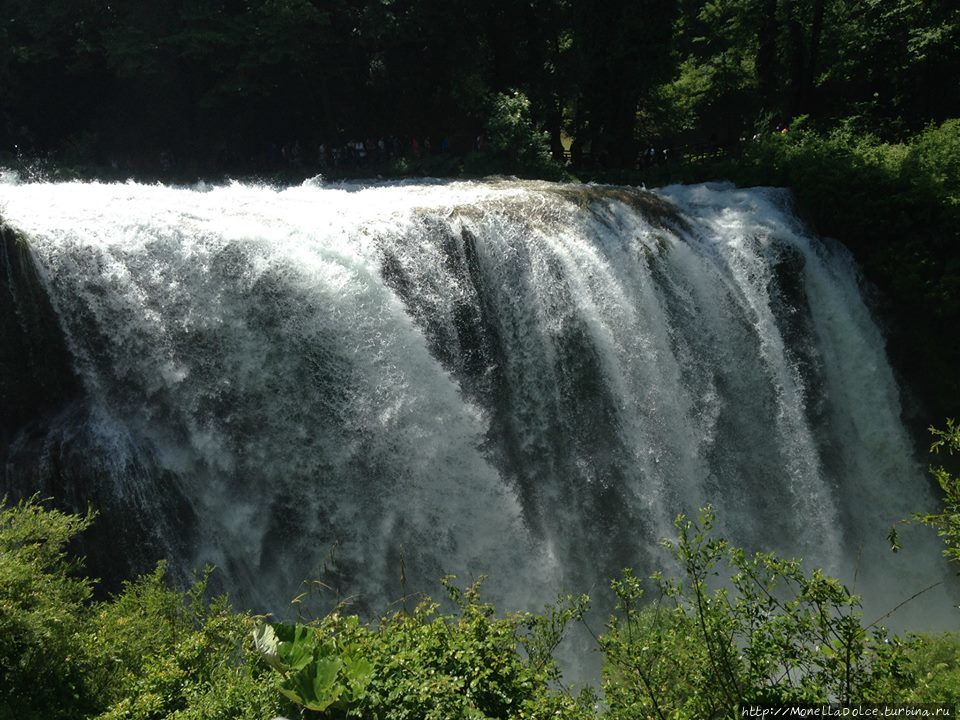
<point>382,384</point>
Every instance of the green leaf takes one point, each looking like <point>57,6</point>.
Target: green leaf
<point>358,673</point>
<point>296,647</point>
<point>894,538</point>
<point>315,686</point>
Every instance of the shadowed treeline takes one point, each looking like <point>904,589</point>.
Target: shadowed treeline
<point>261,85</point>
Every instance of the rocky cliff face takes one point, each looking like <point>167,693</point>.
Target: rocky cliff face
<point>47,443</point>
<point>36,379</point>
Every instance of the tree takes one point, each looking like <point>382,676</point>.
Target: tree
<point>735,630</point>
<point>947,521</point>
<point>42,606</point>
<point>621,52</point>
<point>514,143</point>
<point>891,63</point>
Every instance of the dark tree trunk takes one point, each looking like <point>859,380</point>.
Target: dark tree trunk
<point>796,59</point>
<point>767,54</point>
<point>816,32</point>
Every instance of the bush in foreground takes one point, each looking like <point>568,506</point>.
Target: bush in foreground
<point>737,630</point>
<point>731,629</point>
<point>153,652</point>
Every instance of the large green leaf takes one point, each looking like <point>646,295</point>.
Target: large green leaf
<point>297,645</point>
<point>315,686</point>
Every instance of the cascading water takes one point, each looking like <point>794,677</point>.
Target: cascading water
<point>521,379</point>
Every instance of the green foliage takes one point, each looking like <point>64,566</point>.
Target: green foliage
<point>433,666</point>
<point>934,667</point>
<point>156,652</point>
<point>221,86</point>
<point>42,607</point>
<point>713,90</point>
<point>151,652</point>
<point>930,670</point>
<point>947,521</point>
<point>738,62</point>
<point>654,659</point>
<point>318,672</point>
<point>737,629</point>
<point>936,154</point>
<point>732,629</point>
<point>425,664</point>
<point>515,144</point>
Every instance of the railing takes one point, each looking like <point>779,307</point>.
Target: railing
<point>688,153</point>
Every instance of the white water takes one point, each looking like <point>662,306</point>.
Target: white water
<point>518,379</point>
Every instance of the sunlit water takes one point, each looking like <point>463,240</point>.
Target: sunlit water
<point>384,384</point>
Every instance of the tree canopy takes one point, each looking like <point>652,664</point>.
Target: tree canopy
<point>237,84</point>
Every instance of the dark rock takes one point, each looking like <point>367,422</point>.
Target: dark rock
<point>36,376</point>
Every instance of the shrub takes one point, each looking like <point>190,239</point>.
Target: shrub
<point>947,521</point>
<point>933,666</point>
<point>154,652</point>
<point>935,155</point>
<point>426,664</point>
<point>736,630</point>
<point>732,629</point>
<point>928,671</point>
<point>157,652</point>
<point>514,144</point>
<point>42,610</point>
<point>150,652</point>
